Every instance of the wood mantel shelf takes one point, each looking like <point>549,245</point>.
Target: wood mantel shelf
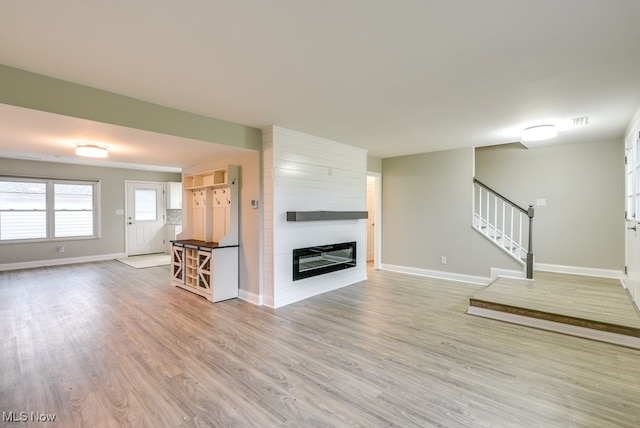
<point>325,215</point>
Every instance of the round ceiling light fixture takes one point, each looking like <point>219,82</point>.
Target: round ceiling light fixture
<point>92,151</point>
<point>539,133</point>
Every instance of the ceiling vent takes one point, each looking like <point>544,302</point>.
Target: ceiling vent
<point>580,121</point>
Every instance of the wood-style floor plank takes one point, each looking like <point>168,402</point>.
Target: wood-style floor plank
<point>103,344</point>
<point>591,302</point>
<point>599,299</point>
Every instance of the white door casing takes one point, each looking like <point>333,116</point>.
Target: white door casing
<point>632,280</point>
<point>632,222</point>
<point>145,217</point>
<point>371,219</point>
<point>376,221</point>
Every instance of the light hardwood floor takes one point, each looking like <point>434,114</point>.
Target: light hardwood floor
<point>591,302</point>
<point>103,344</point>
<point>592,298</point>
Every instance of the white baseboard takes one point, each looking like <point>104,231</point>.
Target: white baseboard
<point>321,286</point>
<point>571,330</point>
<point>58,262</point>
<point>253,298</point>
<point>509,273</point>
<point>578,270</point>
<point>269,302</point>
<point>450,276</point>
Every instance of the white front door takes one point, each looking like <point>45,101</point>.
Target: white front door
<point>145,218</point>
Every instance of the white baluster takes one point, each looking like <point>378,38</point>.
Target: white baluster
<point>503,228</point>
<point>480,207</point>
<point>495,217</point>
<point>488,209</point>
<point>511,230</point>
<point>520,237</point>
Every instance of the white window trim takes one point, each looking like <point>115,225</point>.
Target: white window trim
<point>50,209</point>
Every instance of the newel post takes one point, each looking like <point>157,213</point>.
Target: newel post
<point>530,213</point>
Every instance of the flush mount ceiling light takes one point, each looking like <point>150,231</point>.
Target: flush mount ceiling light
<point>92,151</point>
<point>539,133</point>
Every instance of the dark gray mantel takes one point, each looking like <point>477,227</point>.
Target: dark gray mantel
<point>325,215</point>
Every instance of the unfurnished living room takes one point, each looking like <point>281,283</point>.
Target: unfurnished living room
<point>297,213</point>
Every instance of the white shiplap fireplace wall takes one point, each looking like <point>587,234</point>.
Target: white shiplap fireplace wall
<point>302,172</point>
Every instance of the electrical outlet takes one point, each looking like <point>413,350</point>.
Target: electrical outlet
<point>443,260</point>
<point>61,248</point>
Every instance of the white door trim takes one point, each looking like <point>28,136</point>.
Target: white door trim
<point>377,228</point>
<point>126,207</point>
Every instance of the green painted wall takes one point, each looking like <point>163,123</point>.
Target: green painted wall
<point>25,89</point>
<point>427,202</point>
<point>374,164</point>
<point>582,221</point>
<point>112,195</point>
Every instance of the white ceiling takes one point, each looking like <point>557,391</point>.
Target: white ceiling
<point>396,77</point>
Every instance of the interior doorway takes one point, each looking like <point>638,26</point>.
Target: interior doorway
<point>145,217</point>
<point>374,222</point>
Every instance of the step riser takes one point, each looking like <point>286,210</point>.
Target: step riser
<point>562,319</point>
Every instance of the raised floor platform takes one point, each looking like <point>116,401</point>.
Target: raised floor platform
<point>590,307</point>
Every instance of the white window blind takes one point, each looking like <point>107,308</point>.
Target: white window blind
<point>23,210</point>
<point>73,210</point>
<point>38,209</point>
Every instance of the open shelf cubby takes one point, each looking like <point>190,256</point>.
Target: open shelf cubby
<point>206,179</point>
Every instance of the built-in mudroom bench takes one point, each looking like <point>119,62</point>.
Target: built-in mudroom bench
<point>204,257</point>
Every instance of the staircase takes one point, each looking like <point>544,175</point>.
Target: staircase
<point>505,223</point>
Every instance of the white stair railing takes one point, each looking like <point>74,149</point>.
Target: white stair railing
<point>505,223</point>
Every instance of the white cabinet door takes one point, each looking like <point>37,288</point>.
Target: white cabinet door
<point>174,196</point>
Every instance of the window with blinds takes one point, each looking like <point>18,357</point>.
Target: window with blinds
<point>38,209</point>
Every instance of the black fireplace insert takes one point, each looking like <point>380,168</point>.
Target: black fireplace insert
<point>312,261</point>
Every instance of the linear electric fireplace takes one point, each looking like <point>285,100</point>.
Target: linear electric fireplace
<point>312,261</point>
